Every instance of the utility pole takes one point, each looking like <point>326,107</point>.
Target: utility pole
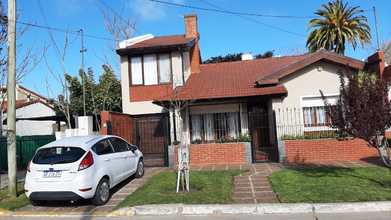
<point>82,51</point>
<point>376,28</point>
<point>11,112</point>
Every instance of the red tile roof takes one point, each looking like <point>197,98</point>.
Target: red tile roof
<point>274,76</point>
<point>250,78</point>
<point>233,79</point>
<point>159,42</point>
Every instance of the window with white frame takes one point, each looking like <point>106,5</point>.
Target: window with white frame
<point>161,68</point>
<point>150,69</point>
<point>209,127</point>
<point>314,110</point>
<point>164,68</point>
<point>137,70</point>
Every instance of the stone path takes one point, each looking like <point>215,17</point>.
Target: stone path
<point>254,186</point>
<point>119,193</point>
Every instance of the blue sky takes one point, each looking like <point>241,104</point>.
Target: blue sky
<point>220,33</point>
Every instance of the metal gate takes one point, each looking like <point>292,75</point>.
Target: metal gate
<point>262,131</point>
<point>152,136</point>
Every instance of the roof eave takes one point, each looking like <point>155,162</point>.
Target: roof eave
<point>158,48</point>
<point>313,58</point>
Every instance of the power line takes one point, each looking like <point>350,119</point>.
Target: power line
<point>256,21</point>
<point>231,12</point>
<point>74,32</point>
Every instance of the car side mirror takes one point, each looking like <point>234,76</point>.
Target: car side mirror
<point>133,148</point>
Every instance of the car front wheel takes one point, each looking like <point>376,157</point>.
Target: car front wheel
<point>102,193</point>
<point>140,169</point>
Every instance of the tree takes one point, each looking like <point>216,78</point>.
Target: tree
<point>108,91</point>
<point>363,110</point>
<point>102,96</point>
<point>338,24</point>
<point>226,58</point>
<point>236,57</point>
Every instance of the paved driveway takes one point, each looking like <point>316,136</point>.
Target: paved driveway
<point>119,193</point>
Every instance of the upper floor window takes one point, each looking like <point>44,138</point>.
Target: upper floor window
<point>137,71</point>
<point>162,68</point>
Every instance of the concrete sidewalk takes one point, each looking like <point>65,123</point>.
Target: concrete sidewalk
<point>325,216</point>
<point>252,209</point>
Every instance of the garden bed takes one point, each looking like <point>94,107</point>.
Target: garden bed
<point>206,187</point>
<point>332,184</point>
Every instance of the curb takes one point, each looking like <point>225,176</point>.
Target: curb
<point>226,209</point>
<point>251,209</point>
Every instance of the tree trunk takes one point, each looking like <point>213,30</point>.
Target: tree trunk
<point>384,151</point>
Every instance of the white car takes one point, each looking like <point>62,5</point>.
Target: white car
<point>81,167</point>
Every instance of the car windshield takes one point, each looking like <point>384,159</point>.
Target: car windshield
<point>58,155</point>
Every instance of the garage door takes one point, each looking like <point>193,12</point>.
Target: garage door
<point>152,137</point>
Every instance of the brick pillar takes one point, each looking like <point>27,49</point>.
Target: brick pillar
<point>105,121</point>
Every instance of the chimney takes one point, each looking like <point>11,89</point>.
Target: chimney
<point>191,31</point>
<point>376,63</point>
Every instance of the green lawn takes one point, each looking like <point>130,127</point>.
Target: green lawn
<point>9,203</point>
<point>328,184</point>
<point>206,187</point>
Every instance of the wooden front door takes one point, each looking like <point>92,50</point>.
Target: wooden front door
<point>264,147</point>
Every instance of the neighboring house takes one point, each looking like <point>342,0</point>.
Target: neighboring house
<point>29,106</point>
<point>265,99</point>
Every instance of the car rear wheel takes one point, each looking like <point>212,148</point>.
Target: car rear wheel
<point>140,169</point>
<point>102,193</point>
<point>36,202</point>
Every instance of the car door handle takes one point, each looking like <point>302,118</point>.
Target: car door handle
<point>107,159</point>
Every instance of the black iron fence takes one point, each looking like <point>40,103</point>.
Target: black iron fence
<point>304,123</point>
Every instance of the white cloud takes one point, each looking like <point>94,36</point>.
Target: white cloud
<point>149,10</point>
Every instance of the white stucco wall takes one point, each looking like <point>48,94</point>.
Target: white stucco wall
<point>25,127</point>
<point>180,70</point>
<point>306,82</point>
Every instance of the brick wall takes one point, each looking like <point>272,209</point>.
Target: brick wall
<point>323,150</point>
<point>148,93</point>
<point>117,124</point>
<point>216,154</point>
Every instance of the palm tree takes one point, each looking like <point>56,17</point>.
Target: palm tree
<point>338,23</point>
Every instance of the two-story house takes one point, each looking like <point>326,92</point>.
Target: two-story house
<point>219,107</point>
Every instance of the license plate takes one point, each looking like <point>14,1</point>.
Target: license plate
<point>52,174</point>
